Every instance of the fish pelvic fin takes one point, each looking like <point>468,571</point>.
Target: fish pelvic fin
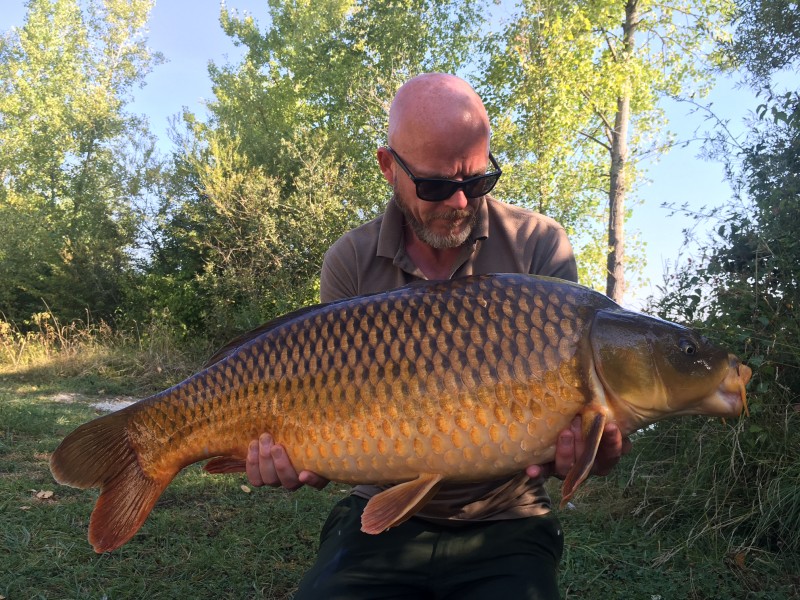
<point>594,421</point>
<point>225,464</point>
<point>399,503</point>
<point>99,454</point>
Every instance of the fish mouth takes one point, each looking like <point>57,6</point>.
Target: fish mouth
<point>731,396</point>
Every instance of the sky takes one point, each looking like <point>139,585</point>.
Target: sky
<point>188,34</point>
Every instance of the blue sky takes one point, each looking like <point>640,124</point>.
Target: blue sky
<point>188,34</point>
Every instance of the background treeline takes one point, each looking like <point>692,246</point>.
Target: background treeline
<point>97,227</point>
<point>229,229</point>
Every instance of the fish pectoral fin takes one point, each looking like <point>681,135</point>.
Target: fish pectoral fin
<point>225,464</point>
<point>594,423</point>
<point>399,503</point>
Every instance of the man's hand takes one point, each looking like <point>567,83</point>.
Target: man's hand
<point>570,446</point>
<point>268,464</point>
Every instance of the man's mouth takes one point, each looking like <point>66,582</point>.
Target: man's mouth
<point>454,217</point>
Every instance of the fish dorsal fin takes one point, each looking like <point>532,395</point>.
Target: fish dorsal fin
<point>399,503</point>
<point>249,336</point>
<point>594,422</point>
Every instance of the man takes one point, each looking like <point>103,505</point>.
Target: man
<point>470,541</point>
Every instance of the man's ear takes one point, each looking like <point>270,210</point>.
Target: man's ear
<point>386,163</point>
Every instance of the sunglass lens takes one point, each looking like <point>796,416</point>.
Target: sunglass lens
<point>481,187</point>
<point>435,191</point>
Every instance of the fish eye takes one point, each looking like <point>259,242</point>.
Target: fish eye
<point>687,347</point>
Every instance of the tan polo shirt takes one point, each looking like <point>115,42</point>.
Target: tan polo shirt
<point>506,239</point>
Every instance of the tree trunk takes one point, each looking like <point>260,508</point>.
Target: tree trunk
<point>618,187</point>
<point>617,192</point>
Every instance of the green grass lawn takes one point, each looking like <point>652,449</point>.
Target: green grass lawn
<point>208,538</point>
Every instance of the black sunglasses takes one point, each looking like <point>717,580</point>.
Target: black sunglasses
<point>436,190</point>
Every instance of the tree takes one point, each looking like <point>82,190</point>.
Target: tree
<point>767,39</point>
<point>286,162</point>
<point>578,86</point>
<point>67,184</point>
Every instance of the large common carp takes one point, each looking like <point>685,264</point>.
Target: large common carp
<point>463,380</point>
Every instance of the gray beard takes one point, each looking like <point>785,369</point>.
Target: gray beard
<point>435,240</point>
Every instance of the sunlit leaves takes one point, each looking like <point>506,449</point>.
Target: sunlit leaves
<point>66,191</point>
<point>555,82</point>
<point>286,162</point>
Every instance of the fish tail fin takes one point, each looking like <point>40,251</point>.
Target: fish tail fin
<point>99,454</point>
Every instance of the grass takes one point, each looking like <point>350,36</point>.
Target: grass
<point>207,537</point>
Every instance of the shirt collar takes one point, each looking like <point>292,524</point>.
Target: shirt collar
<point>481,230</point>
<point>390,236</point>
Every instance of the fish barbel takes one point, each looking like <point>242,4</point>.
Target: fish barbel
<point>463,380</point>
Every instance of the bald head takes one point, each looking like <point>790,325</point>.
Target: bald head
<point>436,110</point>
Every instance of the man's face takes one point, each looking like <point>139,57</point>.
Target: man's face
<point>445,224</point>
<point>438,226</point>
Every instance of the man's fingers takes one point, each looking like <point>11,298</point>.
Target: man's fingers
<point>612,447</point>
<point>266,466</point>
<point>565,453</point>
<point>312,479</point>
<point>251,465</point>
<point>268,463</point>
<point>570,446</point>
<point>536,471</point>
<point>284,470</point>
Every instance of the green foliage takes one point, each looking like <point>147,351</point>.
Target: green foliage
<point>647,531</point>
<point>99,357</point>
<point>767,38</point>
<point>556,80</point>
<point>69,167</point>
<point>746,290</point>
<point>532,90</point>
<point>286,162</point>
<point>332,66</point>
<point>254,249</point>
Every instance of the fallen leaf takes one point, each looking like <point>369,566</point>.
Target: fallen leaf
<point>44,494</point>
<point>24,507</point>
<point>245,489</point>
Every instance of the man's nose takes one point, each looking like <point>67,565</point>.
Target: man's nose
<point>457,201</point>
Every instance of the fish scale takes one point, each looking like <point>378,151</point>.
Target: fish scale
<point>406,347</point>
<point>458,381</point>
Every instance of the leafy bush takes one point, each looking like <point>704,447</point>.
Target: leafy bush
<point>743,479</point>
